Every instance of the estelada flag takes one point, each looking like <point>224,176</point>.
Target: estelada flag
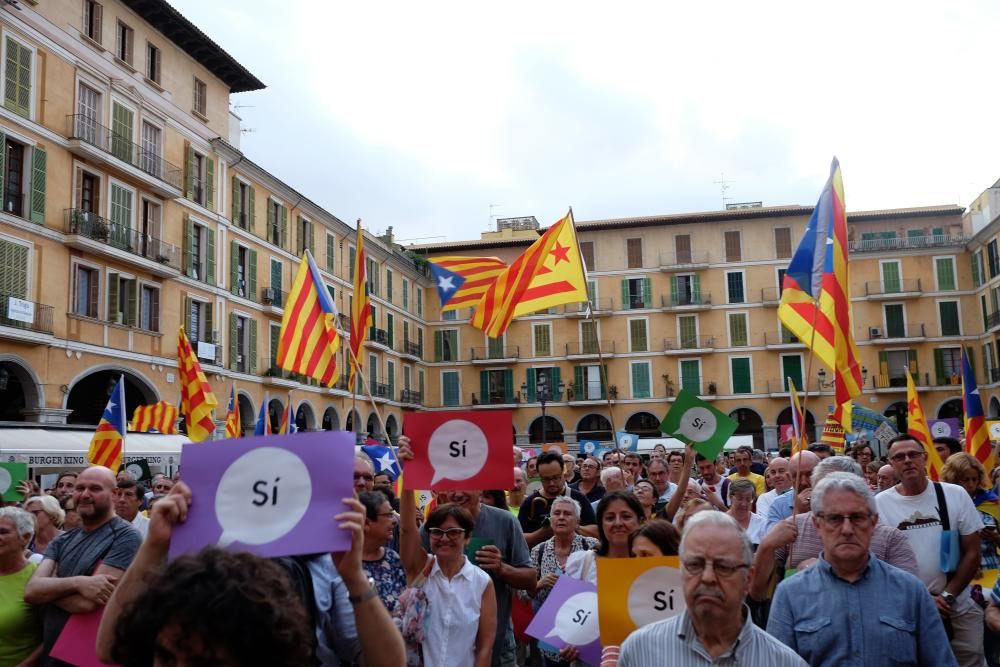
<point>108,443</point>
<point>159,417</point>
<point>459,450</point>
<point>234,428</point>
<point>549,273</point>
<point>977,437</point>
<point>462,281</point>
<point>633,592</point>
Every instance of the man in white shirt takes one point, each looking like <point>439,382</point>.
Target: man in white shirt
<point>780,478</point>
<point>914,506</point>
<point>128,499</point>
<point>659,475</point>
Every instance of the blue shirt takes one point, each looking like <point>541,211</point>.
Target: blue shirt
<point>885,617</point>
<point>780,509</point>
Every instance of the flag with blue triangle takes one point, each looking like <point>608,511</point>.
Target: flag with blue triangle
<point>447,282</point>
<point>383,459</point>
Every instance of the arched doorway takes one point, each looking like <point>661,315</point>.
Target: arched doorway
<point>331,420</point>
<point>785,417</point>
<point>750,423</point>
<point>392,425</point>
<point>951,409</point>
<point>594,427</point>
<point>994,408</point>
<point>247,420</point>
<point>553,431</point>
<point>374,429</point>
<point>353,421</point>
<point>305,420</point>
<point>18,390</point>
<point>89,395</point>
<point>897,414</point>
<point>644,424</point>
<point>274,410</point>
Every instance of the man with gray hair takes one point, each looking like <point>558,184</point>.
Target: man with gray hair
<point>716,627</point>
<point>612,479</point>
<point>795,543</point>
<point>851,608</point>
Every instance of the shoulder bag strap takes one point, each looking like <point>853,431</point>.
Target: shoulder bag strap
<point>942,507</point>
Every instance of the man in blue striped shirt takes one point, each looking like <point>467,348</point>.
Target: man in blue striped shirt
<point>716,628</point>
<point>850,608</point>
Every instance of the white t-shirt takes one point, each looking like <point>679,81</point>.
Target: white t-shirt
<point>918,518</point>
<point>141,523</point>
<point>755,530</point>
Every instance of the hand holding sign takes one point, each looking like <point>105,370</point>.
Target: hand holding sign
<point>569,618</point>
<point>458,451</point>
<point>695,422</point>
<point>12,475</point>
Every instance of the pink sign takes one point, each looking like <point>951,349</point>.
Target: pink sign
<point>77,643</point>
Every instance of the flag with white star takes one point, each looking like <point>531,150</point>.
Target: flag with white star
<point>447,282</point>
<point>461,281</point>
<point>383,459</point>
<point>108,443</point>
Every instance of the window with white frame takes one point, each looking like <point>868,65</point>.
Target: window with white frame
<point>735,293</point>
<point>86,288</point>
<point>88,114</point>
<point>149,307</point>
<point>123,46</point>
<point>18,77</point>
<point>93,17</point>
<point>153,61</point>
<point>152,148</point>
<point>200,97</point>
<point>640,377</point>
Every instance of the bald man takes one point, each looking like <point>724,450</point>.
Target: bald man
<point>69,580</point>
<point>800,467</point>
<point>780,479</point>
<point>886,478</point>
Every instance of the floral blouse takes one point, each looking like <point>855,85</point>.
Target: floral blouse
<point>543,559</point>
<point>389,577</point>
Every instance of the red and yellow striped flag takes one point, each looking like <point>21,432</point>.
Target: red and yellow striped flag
<point>309,340</point>
<point>549,273</point>
<point>916,425</point>
<point>361,309</point>
<point>800,440</point>
<point>816,298</point>
<point>108,443</point>
<point>479,273</point>
<point>197,399</point>
<point>159,417</point>
<point>234,428</point>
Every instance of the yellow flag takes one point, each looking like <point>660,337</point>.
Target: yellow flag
<point>633,592</point>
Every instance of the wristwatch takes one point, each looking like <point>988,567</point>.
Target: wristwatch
<point>366,596</point>
<point>948,597</point>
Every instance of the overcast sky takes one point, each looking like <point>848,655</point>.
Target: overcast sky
<point>422,115</point>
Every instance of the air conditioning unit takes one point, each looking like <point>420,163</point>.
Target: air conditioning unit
<point>269,293</point>
<point>874,332</point>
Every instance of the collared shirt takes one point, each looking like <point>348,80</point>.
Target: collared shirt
<point>141,523</point>
<point>452,621</point>
<point>764,502</point>
<point>780,509</point>
<point>885,617</point>
<point>673,641</point>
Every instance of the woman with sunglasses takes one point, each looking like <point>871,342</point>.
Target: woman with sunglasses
<point>461,602</point>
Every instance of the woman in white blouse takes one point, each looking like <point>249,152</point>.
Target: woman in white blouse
<point>741,496</point>
<point>461,602</point>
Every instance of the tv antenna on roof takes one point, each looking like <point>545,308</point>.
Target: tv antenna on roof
<point>723,186</point>
<point>489,224</point>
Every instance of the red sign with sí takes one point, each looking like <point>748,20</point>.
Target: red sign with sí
<point>459,451</point>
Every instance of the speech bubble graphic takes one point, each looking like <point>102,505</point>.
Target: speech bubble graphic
<point>576,621</point>
<point>654,595</point>
<point>5,481</point>
<point>457,450</point>
<point>261,496</point>
<point>995,430</point>
<point>697,424</point>
<point>134,470</point>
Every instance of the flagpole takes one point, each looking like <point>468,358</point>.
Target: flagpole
<point>378,415</point>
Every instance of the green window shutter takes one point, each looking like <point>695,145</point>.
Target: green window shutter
<point>236,201</point>
<point>691,376</point>
<point>112,296</point>
<point>252,218</point>
<point>741,375</point>
<point>738,329</point>
<point>438,345</point>
<point>390,378</point>
<point>420,303</point>
<point>791,367</point>
<point>233,347</point>
<point>210,255</point>
<point>640,380</point>
<point>508,386</point>
<point>939,375</point>
<point>945,273</point>
<point>890,277</point>
<point>38,160</point>
<point>312,237</point>
<point>209,183</point>
<point>579,383</point>
<point>543,344</point>
<point>675,297</point>
<point>949,318</point>
<point>234,256</point>
<point>330,243</point>
<point>484,386</point>
<point>406,294</point>
<point>695,289</point>
<point>530,381</point>
<point>3,159</point>
<point>974,259</point>
<point>253,347</point>
<point>283,241</point>
<point>192,166</point>
<point>270,221</point>
<point>895,325</point>
<point>647,293</point>
<point>275,340</point>
<point>406,332</point>
<point>637,335</point>
<point>389,328</point>
<point>17,89</point>
<point>252,293</point>
<point>626,302</point>
<point>592,293</point>
<point>604,382</point>
<point>912,365</point>
<point>14,271</point>
<point>209,320</point>
<point>556,379</point>
<point>188,246</point>
<point>187,317</point>
<point>300,232</point>
<point>132,310</point>
<point>689,331</point>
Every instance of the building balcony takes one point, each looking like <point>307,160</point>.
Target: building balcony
<point>781,340</point>
<point>90,232</point>
<point>275,375</point>
<point>770,296</point>
<point>274,299</point>
<point>378,339</point>
<point>101,145</point>
<point>589,349</point>
<point>902,289</point>
<point>413,350</point>
<point>598,308</point>
<point>411,397</point>
<point>381,391</point>
<point>496,399</point>
<point>681,262</point>
<point>913,332</point>
<point>689,345</point>
<point>495,355</point>
<point>22,319</point>
<point>908,243</point>
<point>681,302</point>
<point>779,386</point>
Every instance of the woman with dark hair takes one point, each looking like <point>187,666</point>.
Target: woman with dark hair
<point>495,498</point>
<point>655,538</point>
<point>645,493</point>
<point>461,618</point>
<point>380,563</point>
<point>862,453</point>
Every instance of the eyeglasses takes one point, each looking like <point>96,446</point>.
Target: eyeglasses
<point>382,514</point>
<point>857,519</point>
<point>906,456</point>
<point>696,566</point>
<point>589,466</point>
<point>554,478</point>
<point>450,533</point>
<point>364,476</point>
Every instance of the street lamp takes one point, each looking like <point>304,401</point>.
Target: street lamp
<point>542,395</point>
<point>822,378</point>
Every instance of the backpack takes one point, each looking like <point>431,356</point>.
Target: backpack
<point>300,579</point>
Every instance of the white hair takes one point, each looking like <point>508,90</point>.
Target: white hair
<point>51,507</point>
<point>718,520</point>
<point>832,464</point>
<point>367,461</point>
<point>23,522</point>
<point>842,481</point>
<point>608,473</point>
<point>566,500</point>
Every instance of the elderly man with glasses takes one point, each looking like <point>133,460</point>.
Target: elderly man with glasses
<point>938,517</point>
<point>850,608</point>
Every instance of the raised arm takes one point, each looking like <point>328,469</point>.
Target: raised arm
<point>412,551</point>
<point>675,500</point>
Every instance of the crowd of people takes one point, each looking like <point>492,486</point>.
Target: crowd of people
<point>787,559</point>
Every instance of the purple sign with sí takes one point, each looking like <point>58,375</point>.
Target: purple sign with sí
<point>568,617</point>
<point>273,495</point>
<point>943,428</point>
